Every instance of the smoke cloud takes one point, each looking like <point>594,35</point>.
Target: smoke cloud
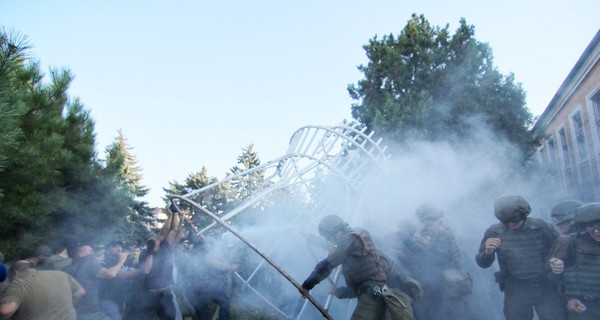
<point>461,178</point>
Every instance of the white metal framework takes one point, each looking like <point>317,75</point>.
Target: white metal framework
<point>320,162</point>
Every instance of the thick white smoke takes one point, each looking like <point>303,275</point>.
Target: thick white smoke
<point>462,179</point>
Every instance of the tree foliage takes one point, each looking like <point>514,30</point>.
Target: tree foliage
<point>247,184</point>
<point>122,164</point>
<point>240,187</point>
<point>51,180</point>
<point>214,200</point>
<point>12,51</point>
<point>426,83</point>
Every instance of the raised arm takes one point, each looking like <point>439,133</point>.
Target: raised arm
<point>109,273</point>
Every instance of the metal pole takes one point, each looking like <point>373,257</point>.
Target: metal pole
<point>258,251</point>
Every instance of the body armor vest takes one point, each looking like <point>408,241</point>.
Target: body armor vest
<point>443,252</point>
<point>583,279</point>
<point>365,265</point>
<point>523,251</point>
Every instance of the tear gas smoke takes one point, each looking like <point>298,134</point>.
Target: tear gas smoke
<point>461,179</point>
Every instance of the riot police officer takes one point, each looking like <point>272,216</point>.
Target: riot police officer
<point>563,214</point>
<point>431,251</point>
<point>577,258</point>
<point>362,271</point>
<point>521,245</point>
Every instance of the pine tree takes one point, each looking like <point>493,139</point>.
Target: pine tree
<point>52,181</point>
<point>246,185</point>
<point>122,164</point>
<point>12,52</point>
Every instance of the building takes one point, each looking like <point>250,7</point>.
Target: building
<point>570,148</point>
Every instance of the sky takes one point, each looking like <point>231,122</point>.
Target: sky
<point>192,83</point>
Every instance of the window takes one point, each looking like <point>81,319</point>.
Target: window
<point>543,156</point>
<point>551,151</point>
<point>580,136</point>
<point>565,148</point>
<point>596,104</point>
<point>551,155</point>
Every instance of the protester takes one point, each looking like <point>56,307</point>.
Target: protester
<point>39,295</point>
<point>88,271</point>
<point>60,259</point>
<point>208,280</point>
<point>159,268</point>
<point>39,255</point>
<point>137,301</point>
<point>113,292</point>
<point>521,245</point>
<point>577,259</point>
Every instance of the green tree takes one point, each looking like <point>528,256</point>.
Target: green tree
<point>215,199</point>
<point>246,185</point>
<point>428,84</point>
<point>122,164</point>
<point>12,53</point>
<point>51,179</point>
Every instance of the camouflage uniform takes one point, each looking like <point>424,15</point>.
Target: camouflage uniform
<point>427,261</point>
<point>362,271</point>
<point>581,256</point>
<point>563,214</point>
<point>522,257</point>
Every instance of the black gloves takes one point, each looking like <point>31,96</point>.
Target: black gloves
<point>322,270</point>
<point>309,283</point>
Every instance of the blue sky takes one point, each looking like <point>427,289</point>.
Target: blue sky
<point>191,83</point>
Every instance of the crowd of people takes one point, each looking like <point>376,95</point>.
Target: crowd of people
<point>78,283</point>
<point>547,268</point>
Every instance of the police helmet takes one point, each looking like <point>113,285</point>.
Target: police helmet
<point>564,211</point>
<point>330,224</point>
<point>510,208</point>
<point>428,212</point>
<point>588,212</point>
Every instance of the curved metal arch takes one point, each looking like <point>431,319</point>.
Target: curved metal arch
<point>340,151</point>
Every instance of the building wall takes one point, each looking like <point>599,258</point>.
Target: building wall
<point>571,148</point>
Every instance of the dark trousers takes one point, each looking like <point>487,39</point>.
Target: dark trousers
<point>163,305</point>
<point>523,296</point>
<point>201,300</point>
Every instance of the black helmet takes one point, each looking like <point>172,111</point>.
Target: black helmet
<point>427,211</point>
<point>330,224</point>
<point>510,208</point>
<point>564,211</point>
<point>588,212</point>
